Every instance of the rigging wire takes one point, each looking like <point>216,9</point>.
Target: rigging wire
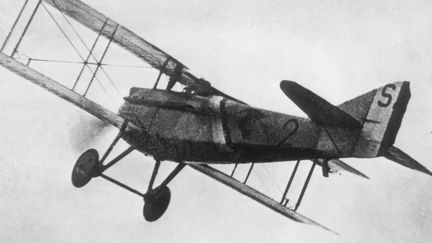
<point>261,182</point>
<point>272,178</point>
<point>103,55</point>
<point>88,49</point>
<point>73,46</point>
<point>88,57</point>
<point>78,62</point>
<point>124,65</point>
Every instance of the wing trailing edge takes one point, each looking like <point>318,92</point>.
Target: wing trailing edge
<point>317,108</point>
<point>255,195</point>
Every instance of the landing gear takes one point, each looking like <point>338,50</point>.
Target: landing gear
<point>156,203</point>
<point>85,168</point>
<point>156,200</point>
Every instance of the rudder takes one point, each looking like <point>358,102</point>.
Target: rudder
<point>381,112</point>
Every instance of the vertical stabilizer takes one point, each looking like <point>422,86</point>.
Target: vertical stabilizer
<point>381,112</point>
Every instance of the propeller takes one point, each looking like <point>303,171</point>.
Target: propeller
<point>85,132</point>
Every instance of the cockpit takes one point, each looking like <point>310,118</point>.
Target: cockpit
<point>171,100</point>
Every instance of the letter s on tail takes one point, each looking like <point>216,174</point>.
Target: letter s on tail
<point>381,112</point>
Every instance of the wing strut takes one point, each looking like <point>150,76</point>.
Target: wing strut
<point>305,186</point>
<point>234,169</point>
<point>144,50</point>
<point>161,72</point>
<point>249,172</point>
<point>254,194</point>
<point>89,55</point>
<point>26,27</point>
<point>13,26</point>
<point>99,63</point>
<point>284,201</point>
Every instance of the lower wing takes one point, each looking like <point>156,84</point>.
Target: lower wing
<point>255,195</point>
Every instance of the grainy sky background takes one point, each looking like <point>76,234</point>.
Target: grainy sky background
<point>338,49</point>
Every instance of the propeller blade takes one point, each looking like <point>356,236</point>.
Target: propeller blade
<point>86,131</point>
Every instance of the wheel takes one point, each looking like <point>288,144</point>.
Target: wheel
<point>156,203</point>
<point>85,168</point>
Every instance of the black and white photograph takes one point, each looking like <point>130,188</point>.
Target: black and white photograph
<point>215,121</point>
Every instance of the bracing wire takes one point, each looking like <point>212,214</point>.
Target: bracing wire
<point>272,178</point>
<point>88,49</point>
<point>261,182</point>
<point>73,45</point>
<point>87,64</point>
<point>78,62</point>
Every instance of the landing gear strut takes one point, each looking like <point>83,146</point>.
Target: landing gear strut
<point>156,200</point>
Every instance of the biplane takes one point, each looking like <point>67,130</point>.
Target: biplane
<point>201,126</point>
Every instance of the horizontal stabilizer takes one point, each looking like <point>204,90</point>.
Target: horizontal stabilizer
<point>338,165</point>
<point>398,156</point>
<point>317,108</point>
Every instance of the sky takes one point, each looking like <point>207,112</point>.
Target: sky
<point>338,49</point>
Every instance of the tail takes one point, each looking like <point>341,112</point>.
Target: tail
<point>375,117</point>
<point>381,112</point>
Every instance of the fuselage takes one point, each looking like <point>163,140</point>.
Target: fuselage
<point>185,127</point>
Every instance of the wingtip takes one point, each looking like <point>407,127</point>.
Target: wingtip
<point>323,227</point>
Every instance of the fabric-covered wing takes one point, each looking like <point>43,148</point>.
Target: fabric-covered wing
<point>151,54</point>
<point>254,194</point>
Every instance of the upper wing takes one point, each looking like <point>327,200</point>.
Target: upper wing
<point>157,58</point>
<point>63,92</point>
